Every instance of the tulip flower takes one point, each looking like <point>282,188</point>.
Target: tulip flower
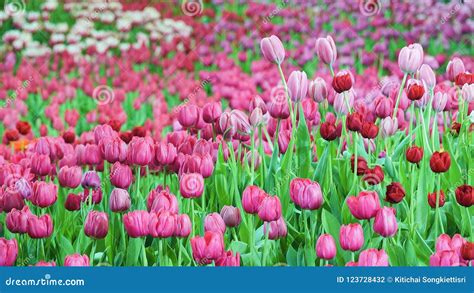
<point>467,251</point>
<point>76,260</point>
<point>427,76</point>
<point>277,229</point>
<point>414,154</point>
<point>17,220</point>
<point>373,258</point>
<point>162,224</point>
<point>454,68</point>
<point>140,151</point>
<point>465,195</point>
<point>351,237</point>
<point>297,85</point>
<point>410,58</point>
<point>121,175</point>
<point>191,185</point>
<point>73,202</point>
<point>8,252</point>
<point>252,199</point>
<point>162,200</point>
<point>231,216</point>
<point>270,209</point>
<point>165,153</point>
<point>44,194</point>
<point>90,180</point>
<point>317,90</point>
<point>440,161</point>
<point>208,248</point>
<point>45,264</point>
<point>385,223</point>
<point>342,81</point>
<point>433,198</point>
<point>70,176</point>
<point>306,193</point>
<point>136,223</point>
<point>183,226</point>
<point>445,258</point>
<point>326,247</point>
<point>326,50</point>
<point>415,90</point>
<point>96,225</point>
<point>395,192</point>
<point>365,205</point>
<point>272,49</point>
<point>228,260</point>
<point>214,222</point>
<point>40,227</point>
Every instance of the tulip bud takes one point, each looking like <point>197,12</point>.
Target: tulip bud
<point>389,126</point>
<point>270,209</point>
<point>23,187</point>
<point>439,101</point>
<point>113,149</point>
<point>410,58</point>
<point>330,131</point>
<point>76,260</point>
<point>70,176</point>
<point>326,247</point>
<point>326,50</point>
<point>40,164</point>
<point>165,153</point>
<point>121,175</point>
<point>257,102</point>
<point>297,85</point>
<point>119,200</point>
<point>97,225</point>
<point>73,202</point>
<point>354,121</point>
<point>427,76</point>
<point>8,251</point>
<point>140,151</point>
<point>395,192</point>
<point>136,223</point>
<point>90,180</point>
<point>191,185</point>
<point>414,154</point>
<point>369,130</point>
<point>214,222</point>
<point>272,49</point>
<point>256,117</point>
<point>383,107</point>
<point>433,198</point>
<point>455,67</point>
<point>252,198</point>
<point>351,237</point>
<point>468,93</point>
<point>317,90</point>
<point>211,112</point>
<point>159,199</point>
<point>373,258</point>
<point>231,216</point>
<point>361,165</point>
<point>183,226</point>
<point>465,195</point>
<point>385,223</point>
<point>365,205</point>
<point>440,161</point>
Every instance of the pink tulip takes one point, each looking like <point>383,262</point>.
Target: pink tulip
<point>326,50</point>
<point>297,85</point>
<point>45,264</point>
<point>385,223</point>
<point>351,237</point>
<point>121,175</point>
<point>162,200</point>
<point>270,209</point>
<point>455,67</point>
<point>228,260</point>
<point>365,205</point>
<point>113,149</point>
<point>165,153</point>
<point>162,224</point>
<point>40,164</point>
<point>140,151</point>
<point>119,200</point>
<point>188,115</point>
<point>90,180</point>
<point>183,226</point>
<point>273,49</point>
<point>317,90</point>
<point>97,225</point>
<point>40,227</point>
<point>277,229</point>
<point>17,220</point>
<point>427,76</point>
<point>306,193</point>
<point>410,58</point>
<point>44,194</point>
<point>207,248</point>
<point>373,258</point>
<point>326,247</point>
<point>445,258</point>
<point>136,223</point>
<point>252,199</point>
<point>76,260</point>
<point>231,216</point>
<point>214,222</point>
<point>70,176</point>
<point>8,252</point>
<point>211,112</point>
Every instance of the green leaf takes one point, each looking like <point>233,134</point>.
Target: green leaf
<point>133,251</point>
<point>303,146</point>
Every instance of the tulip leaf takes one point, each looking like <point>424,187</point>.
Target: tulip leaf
<point>133,251</point>
<point>303,146</point>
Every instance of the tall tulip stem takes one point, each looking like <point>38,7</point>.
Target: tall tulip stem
<point>400,91</point>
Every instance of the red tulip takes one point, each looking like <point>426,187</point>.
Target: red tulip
<point>395,192</point>
<point>465,195</point>
<point>432,198</point>
<point>440,162</point>
<point>414,154</point>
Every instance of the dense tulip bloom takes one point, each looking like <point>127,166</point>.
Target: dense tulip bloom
<point>373,176</point>
<point>162,200</point>
<point>121,175</point>
<point>467,251</point>
<point>214,222</point>
<point>454,68</point>
<point>270,209</point>
<point>76,260</point>
<point>385,223</point>
<point>231,216</point>
<point>361,165</point>
<point>369,130</point>
<point>415,90</point>
<point>326,50</point>
<point>44,194</point>
<point>306,193</point>
<point>326,247</point>
<point>97,225</point>
<point>119,200</point>
<point>277,228</point>
<point>272,49</point>
<point>17,220</point>
<point>252,199</point>
<point>395,192</point>
<point>297,85</point>
<point>445,258</point>
<point>165,153</point>
<point>8,252</point>
<point>414,154</point>
<point>410,58</point>
<point>183,226</point>
<point>70,176</point>
<point>40,227</point>
<point>90,180</point>
<point>140,151</point>
<point>365,205</point>
<point>373,258</point>
<point>162,224</point>
<point>207,248</point>
<point>317,90</point>
<point>427,76</point>
<point>137,223</point>
<point>432,198</point>
<point>10,201</point>
<point>40,164</point>
<point>440,162</point>
<point>73,202</point>
<point>211,112</point>
<point>113,149</point>
<point>342,81</point>
<point>351,237</point>
<point>330,131</point>
<point>191,185</point>
<point>228,260</point>
<point>465,195</point>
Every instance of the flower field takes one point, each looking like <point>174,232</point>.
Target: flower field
<point>237,133</point>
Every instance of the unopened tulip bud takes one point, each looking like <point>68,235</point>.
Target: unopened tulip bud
<point>76,260</point>
<point>351,237</point>
<point>183,226</point>
<point>297,85</point>
<point>252,198</point>
<point>273,49</point>
<point>44,194</point>
<point>455,67</point>
<point>214,222</point>
<point>385,223</point>
<point>410,58</point>
<point>326,50</point>
<point>326,247</point>
<point>317,90</point>
<point>231,216</point>
<point>97,225</point>
<point>433,197</point>
<point>121,175</point>
<point>270,209</point>
<point>119,200</point>
<point>427,76</point>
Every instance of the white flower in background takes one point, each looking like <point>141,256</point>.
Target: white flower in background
<point>59,48</point>
<point>124,24</point>
<point>49,5</point>
<point>57,38</point>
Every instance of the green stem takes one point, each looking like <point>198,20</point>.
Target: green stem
<point>400,91</point>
